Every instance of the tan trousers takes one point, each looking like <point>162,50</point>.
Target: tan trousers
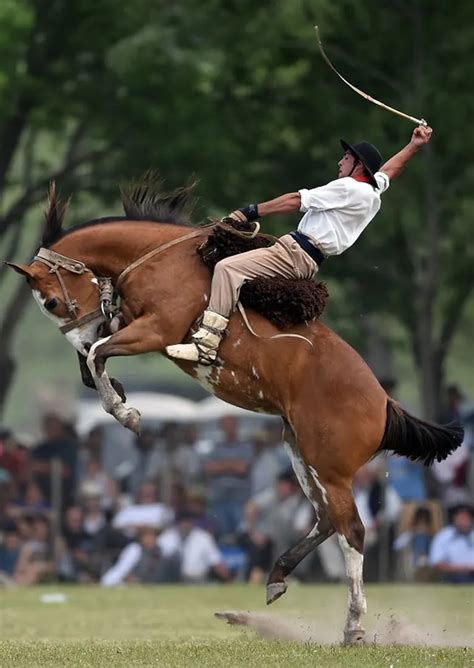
<point>285,258</point>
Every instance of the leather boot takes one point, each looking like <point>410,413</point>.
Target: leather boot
<point>205,342</point>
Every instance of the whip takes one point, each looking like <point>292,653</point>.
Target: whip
<point>417,121</point>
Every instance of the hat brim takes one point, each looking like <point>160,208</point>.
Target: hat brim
<point>348,147</point>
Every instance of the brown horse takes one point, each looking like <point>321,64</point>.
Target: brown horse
<point>336,415</point>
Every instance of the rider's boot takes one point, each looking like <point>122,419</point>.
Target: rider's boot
<point>205,341</point>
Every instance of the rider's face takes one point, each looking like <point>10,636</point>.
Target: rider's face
<point>346,164</point>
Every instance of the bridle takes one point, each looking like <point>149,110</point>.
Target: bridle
<point>106,311</point>
<point>56,261</point>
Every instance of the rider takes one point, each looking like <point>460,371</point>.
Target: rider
<point>335,216</point>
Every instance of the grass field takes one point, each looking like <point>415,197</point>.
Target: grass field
<point>175,626</point>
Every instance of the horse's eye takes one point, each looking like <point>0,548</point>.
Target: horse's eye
<point>52,303</point>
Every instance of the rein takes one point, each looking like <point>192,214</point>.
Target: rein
<point>152,253</point>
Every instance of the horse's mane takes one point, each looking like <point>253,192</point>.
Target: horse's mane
<point>144,198</point>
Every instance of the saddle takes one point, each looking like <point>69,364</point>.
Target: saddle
<point>285,302</point>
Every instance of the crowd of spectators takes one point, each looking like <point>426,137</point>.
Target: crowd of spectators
<point>181,513</point>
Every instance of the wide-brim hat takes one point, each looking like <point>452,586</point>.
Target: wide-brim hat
<point>369,156</point>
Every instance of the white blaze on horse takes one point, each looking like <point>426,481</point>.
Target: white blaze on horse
<point>336,415</point>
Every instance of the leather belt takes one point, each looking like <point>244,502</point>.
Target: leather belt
<point>304,242</point>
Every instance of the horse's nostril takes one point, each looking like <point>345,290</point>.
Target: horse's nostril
<point>87,347</point>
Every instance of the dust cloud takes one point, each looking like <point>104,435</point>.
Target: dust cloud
<point>386,631</point>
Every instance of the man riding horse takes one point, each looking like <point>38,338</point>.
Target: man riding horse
<point>335,216</point>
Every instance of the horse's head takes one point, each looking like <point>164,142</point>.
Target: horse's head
<point>65,289</point>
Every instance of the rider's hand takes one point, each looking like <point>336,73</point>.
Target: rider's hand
<point>238,216</point>
<point>421,136</point>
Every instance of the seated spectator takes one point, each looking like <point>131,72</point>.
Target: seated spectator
<point>94,519</point>
<point>376,502</point>
<point>414,543</point>
<point>452,550</point>
<point>95,476</point>
<point>74,564</point>
<point>379,508</point>
<point>35,562</point>
<point>14,459</point>
<point>227,470</point>
<point>147,511</point>
<point>147,460</point>
<point>275,520</point>
<point>9,552</point>
<point>196,550</point>
<point>142,562</point>
<point>59,443</point>
<point>31,503</point>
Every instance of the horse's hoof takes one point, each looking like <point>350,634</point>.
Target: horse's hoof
<point>354,638</point>
<point>275,590</point>
<point>132,420</point>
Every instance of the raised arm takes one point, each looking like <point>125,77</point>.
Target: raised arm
<point>395,166</point>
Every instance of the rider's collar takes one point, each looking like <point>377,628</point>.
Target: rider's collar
<point>363,179</point>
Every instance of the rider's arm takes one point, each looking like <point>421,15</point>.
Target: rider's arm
<point>288,203</point>
<point>395,166</point>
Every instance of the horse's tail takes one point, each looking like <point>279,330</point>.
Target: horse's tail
<point>416,439</point>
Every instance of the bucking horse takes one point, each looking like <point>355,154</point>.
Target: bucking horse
<point>336,416</point>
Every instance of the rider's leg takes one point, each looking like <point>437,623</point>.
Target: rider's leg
<point>285,258</point>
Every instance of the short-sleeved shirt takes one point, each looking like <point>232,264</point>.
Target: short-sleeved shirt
<point>336,214</point>
<point>228,487</point>
<point>453,547</point>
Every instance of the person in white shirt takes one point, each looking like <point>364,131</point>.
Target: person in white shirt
<point>147,511</point>
<point>452,549</point>
<point>196,549</point>
<point>335,216</point>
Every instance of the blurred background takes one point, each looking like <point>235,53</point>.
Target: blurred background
<point>93,94</point>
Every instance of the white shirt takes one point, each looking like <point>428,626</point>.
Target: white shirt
<point>128,559</point>
<point>198,551</point>
<point>155,515</point>
<point>452,547</point>
<point>338,213</point>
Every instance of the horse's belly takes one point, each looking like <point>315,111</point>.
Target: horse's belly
<point>236,388</point>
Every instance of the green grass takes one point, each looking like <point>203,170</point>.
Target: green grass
<point>175,626</point>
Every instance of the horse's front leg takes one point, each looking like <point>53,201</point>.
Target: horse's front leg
<point>88,380</point>
<point>140,336</point>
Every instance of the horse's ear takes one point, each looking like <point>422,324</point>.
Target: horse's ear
<point>23,269</point>
<point>54,216</point>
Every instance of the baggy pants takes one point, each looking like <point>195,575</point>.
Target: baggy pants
<point>285,258</point>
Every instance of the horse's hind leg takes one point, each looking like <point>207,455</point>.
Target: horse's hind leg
<point>350,533</point>
<point>322,529</point>
<point>287,562</point>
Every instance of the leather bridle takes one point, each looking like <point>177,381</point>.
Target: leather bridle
<point>56,261</point>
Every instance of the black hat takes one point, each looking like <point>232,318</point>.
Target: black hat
<point>368,155</point>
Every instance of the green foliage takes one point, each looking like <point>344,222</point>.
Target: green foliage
<point>93,92</point>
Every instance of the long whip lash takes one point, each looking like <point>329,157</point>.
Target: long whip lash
<point>418,121</point>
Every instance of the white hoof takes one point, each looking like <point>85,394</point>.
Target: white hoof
<point>356,637</point>
<point>129,418</point>
<point>275,590</point>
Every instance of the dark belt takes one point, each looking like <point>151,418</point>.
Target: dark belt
<point>303,241</point>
